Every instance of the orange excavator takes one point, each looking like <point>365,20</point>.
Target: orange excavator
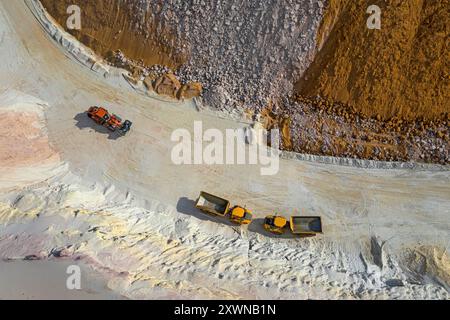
<point>111,121</point>
<point>215,205</point>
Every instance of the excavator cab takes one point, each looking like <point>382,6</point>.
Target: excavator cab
<point>275,224</point>
<point>240,215</point>
<point>114,123</point>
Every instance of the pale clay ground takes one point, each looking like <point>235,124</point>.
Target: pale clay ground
<point>126,210</point>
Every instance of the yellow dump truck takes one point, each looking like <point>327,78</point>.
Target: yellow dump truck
<point>303,226</point>
<point>215,205</point>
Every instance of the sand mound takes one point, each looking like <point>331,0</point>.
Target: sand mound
<point>400,70</point>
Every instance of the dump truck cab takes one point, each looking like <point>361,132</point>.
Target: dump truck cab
<point>240,215</point>
<point>275,224</point>
<point>212,204</point>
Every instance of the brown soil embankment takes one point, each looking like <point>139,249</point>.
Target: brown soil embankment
<point>111,25</point>
<point>400,70</point>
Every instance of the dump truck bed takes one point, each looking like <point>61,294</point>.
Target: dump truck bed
<point>212,204</point>
<point>306,225</point>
